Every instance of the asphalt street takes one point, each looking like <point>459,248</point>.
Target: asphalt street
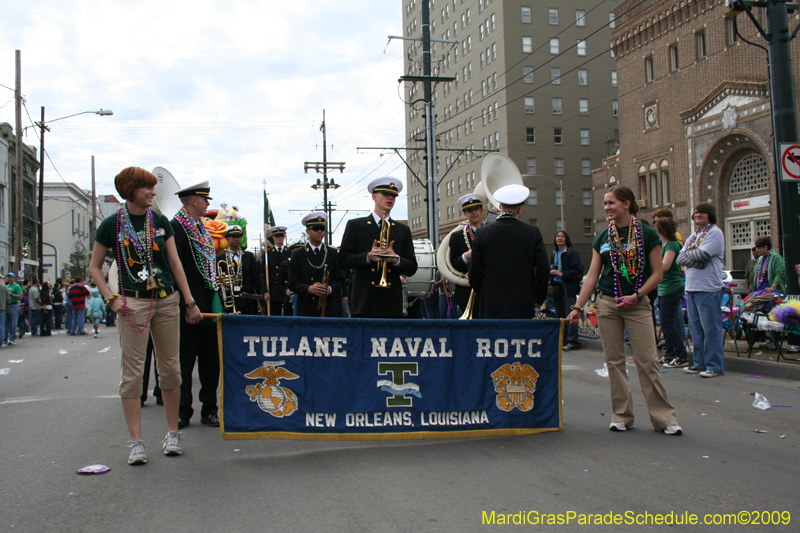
<point>60,412</point>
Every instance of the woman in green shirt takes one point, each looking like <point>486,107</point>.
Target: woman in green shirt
<point>149,269</point>
<point>626,258</point>
<point>670,294</point>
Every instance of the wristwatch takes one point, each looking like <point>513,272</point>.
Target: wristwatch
<point>191,304</point>
<point>638,296</point>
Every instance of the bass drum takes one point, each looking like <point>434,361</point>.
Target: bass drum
<point>421,284</point>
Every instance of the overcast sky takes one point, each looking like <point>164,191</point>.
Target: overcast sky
<point>231,92</point>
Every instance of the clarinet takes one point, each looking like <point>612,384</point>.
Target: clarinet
<point>323,300</point>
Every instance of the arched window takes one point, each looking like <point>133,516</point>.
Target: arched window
<point>750,174</point>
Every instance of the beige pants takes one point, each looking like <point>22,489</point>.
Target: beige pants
<point>164,327</point>
<point>638,320</point>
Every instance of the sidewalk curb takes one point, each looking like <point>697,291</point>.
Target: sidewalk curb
<point>770,369</point>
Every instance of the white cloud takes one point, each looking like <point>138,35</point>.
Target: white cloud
<point>232,92</point>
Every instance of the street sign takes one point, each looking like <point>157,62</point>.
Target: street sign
<point>790,162</point>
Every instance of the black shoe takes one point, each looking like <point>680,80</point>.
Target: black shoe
<point>210,420</point>
<point>159,401</point>
<point>182,422</point>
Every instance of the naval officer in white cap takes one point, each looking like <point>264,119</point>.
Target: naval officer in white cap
<point>509,268</point>
<point>314,271</point>
<point>471,206</point>
<point>198,342</point>
<point>361,251</point>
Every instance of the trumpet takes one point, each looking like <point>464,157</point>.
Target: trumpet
<point>225,280</point>
<point>383,242</point>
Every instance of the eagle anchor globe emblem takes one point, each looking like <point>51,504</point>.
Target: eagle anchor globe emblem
<point>269,395</point>
<point>515,384</point>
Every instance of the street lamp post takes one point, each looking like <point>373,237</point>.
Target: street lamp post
<point>560,184</point>
<point>42,127</point>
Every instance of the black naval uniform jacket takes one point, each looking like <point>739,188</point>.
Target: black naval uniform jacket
<point>366,298</point>
<point>251,281</point>
<point>302,275</point>
<point>201,294</point>
<point>509,269</point>
<point>458,247</point>
<point>277,290</point>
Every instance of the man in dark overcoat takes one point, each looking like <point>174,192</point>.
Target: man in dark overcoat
<point>244,273</point>
<point>461,246</point>
<point>308,267</point>
<point>509,267</point>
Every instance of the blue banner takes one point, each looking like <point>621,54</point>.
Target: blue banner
<point>371,379</point>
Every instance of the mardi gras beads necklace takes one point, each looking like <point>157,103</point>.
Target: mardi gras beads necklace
<point>762,270</point>
<point>137,245</point>
<point>469,234</point>
<point>324,257</point>
<point>507,214</point>
<point>202,247</point>
<point>627,258</point>
<point>698,237</point>
<point>123,234</point>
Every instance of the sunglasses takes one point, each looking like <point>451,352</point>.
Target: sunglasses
<point>316,229</point>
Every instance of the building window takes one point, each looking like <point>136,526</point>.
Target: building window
<point>558,166</point>
<point>483,63</point>
<point>555,76</point>
<point>642,189</point>
<point>583,76</point>
<point>558,135</point>
<point>654,188</point>
<point>496,111</point>
<point>584,137</point>
<point>533,221</point>
<point>492,18</point>
<point>529,104</point>
<point>700,40</point>
<point>666,193</point>
<point>494,51</point>
<point>587,226</point>
<point>611,22</point>
<point>730,32</point>
<point>554,46</point>
<point>533,197</point>
<point>583,106</point>
<point>527,45</point>
<point>556,106</point>
<point>527,74</point>
<point>530,135</point>
<point>530,165</point>
<point>673,57</point>
<point>586,167</point>
<point>526,15</point>
<point>553,17</point>
<point>615,108</point>
<point>558,196</point>
<point>649,72</point>
<point>581,48</point>
<point>613,78</point>
<point>580,18</point>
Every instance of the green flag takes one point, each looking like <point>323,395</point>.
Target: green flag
<point>269,220</point>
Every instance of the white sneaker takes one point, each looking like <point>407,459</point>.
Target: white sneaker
<point>619,426</point>
<point>137,456</point>
<point>708,374</point>
<point>673,430</point>
<point>95,335</point>
<point>172,443</point>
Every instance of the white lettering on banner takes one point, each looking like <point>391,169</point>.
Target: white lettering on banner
<point>370,420</point>
<point>320,420</point>
<point>398,350</point>
<point>322,346</point>
<point>484,348</point>
<point>454,418</point>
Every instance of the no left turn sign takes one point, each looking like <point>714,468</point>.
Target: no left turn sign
<point>790,162</point>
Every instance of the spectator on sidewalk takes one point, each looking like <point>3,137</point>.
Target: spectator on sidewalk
<point>35,306</point>
<point>47,310</point>
<point>702,257</point>
<point>58,304</point>
<point>67,307</point>
<point>4,300</point>
<point>77,296</point>
<point>13,311</point>
<point>96,310</point>
<point>670,294</point>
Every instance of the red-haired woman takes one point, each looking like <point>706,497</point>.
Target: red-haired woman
<point>626,258</point>
<point>149,271</point>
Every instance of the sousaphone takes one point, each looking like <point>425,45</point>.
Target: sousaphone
<point>165,202</point>
<point>497,171</point>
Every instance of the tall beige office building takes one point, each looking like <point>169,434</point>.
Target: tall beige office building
<point>533,80</point>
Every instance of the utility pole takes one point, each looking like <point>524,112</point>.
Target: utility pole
<point>40,207</point>
<point>324,184</point>
<point>18,174</point>
<point>784,117</point>
<point>92,224</point>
